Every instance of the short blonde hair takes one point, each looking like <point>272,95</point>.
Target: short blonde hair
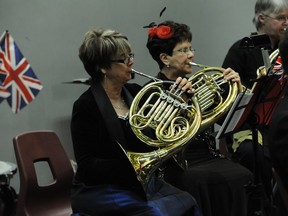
<point>99,48</point>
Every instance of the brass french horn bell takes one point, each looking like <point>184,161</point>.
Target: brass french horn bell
<point>161,119</point>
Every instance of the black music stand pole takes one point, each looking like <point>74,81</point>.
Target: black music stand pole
<point>242,115</point>
<point>255,190</point>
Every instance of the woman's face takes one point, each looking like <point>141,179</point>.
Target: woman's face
<point>183,53</point>
<point>121,67</point>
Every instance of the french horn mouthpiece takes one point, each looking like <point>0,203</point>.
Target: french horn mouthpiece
<point>193,64</point>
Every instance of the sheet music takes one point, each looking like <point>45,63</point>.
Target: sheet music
<point>235,114</point>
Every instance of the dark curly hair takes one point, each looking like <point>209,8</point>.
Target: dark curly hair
<point>156,46</point>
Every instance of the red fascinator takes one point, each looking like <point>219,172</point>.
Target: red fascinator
<point>162,32</point>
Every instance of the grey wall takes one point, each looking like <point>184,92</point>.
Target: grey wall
<point>50,32</point>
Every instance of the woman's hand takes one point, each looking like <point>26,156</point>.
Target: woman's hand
<point>184,85</point>
<point>230,75</point>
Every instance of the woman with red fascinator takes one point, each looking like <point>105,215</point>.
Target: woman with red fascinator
<point>218,184</point>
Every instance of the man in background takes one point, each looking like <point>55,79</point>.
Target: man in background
<point>271,21</point>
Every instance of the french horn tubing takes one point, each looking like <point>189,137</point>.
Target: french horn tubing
<point>263,71</point>
<point>161,119</point>
<point>214,94</point>
<point>172,121</point>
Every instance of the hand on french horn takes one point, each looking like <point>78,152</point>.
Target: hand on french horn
<point>182,85</point>
<point>231,75</point>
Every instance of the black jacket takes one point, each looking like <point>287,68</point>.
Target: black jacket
<point>96,132</point>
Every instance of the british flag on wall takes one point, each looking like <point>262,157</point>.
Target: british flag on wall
<point>16,75</point>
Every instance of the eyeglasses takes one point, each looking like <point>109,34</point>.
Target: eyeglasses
<point>127,60</point>
<point>186,50</point>
<point>280,18</point>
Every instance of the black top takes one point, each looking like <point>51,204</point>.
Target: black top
<point>96,129</point>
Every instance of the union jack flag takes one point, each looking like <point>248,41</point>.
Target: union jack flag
<point>16,75</point>
<point>277,66</point>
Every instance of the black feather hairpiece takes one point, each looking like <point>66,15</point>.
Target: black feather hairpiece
<point>162,11</point>
<point>152,24</point>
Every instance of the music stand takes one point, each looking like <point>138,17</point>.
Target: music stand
<point>254,111</point>
<point>237,115</point>
<point>256,108</point>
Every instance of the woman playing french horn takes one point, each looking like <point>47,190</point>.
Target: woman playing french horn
<point>105,183</point>
<point>215,182</point>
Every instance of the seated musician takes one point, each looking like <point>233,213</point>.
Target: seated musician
<point>105,182</point>
<point>215,182</point>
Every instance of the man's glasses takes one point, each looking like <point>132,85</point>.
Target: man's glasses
<point>187,50</point>
<point>280,18</point>
<point>127,60</point>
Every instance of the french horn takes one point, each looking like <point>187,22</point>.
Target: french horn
<point>263,71</point>
<point>214,94</point>
<point>172,120</point>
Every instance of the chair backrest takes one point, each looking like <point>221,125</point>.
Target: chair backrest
<point>42,200</point>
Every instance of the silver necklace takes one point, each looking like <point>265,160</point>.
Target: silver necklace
<point>120,107</point>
